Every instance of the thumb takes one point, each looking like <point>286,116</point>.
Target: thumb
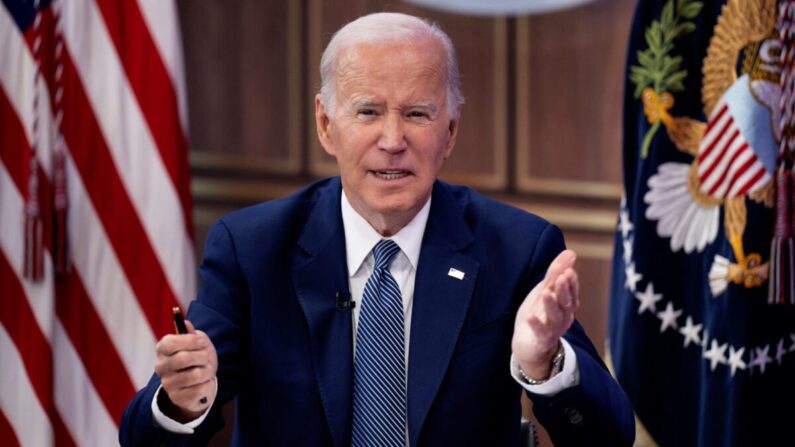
<point>189,325</point>
<point>203,340</point>
<point>559,265</point>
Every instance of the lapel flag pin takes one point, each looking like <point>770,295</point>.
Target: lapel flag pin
<point>455,273</point>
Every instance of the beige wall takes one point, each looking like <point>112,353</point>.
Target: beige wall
<point>541,127</point>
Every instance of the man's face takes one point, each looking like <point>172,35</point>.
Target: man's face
<point>391,130</point>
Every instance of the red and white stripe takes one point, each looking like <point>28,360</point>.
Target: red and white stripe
<point>727,165</point>
<point>73,350</point>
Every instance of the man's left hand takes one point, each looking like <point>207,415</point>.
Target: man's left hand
<point>545,315</point>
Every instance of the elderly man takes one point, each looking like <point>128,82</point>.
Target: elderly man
<point>383,307</point>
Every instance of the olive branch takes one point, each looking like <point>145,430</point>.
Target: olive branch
<point>657,72</point>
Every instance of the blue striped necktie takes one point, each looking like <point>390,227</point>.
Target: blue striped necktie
<point>379,371</point>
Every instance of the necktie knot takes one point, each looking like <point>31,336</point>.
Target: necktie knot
<point>384,251</point>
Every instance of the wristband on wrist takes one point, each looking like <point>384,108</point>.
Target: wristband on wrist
<point>557,366</point>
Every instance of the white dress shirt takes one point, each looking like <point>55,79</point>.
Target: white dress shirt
<point>360,238</point>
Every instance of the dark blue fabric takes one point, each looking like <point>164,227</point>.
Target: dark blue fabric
<point>270,277</point>
<point>677,394</point>
<point>23,11</point>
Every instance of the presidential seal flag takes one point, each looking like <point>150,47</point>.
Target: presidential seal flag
<point>702,312</point>
<point>95,211</point>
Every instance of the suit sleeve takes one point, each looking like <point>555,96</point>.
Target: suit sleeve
<point>218,311</point>
<point>597,409</point>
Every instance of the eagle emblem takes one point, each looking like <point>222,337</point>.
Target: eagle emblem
<point>735,153</point>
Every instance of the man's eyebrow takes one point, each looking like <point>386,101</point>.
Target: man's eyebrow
<point>360,102</point>
<point>370,102</point>
<point>422,105</point>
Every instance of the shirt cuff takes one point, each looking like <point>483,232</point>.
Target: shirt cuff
<point>173,426</point>
<point>568,377</point>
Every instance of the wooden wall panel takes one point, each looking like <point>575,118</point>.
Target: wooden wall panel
<point>243,73</point>
<point>569,80</point>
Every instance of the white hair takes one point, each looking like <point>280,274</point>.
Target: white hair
<point>383,28</point>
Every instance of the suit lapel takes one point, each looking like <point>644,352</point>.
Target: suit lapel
<point>441,301</point>
<point>319,273</point>
<point>440,306</point>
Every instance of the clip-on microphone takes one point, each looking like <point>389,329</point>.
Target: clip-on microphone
<point>344,301</point>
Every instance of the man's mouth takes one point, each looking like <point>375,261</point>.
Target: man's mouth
<point>390,174</point>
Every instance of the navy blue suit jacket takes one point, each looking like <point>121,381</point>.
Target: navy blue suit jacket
<point>270,275</point>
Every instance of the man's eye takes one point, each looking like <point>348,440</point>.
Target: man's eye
<point>367,112</point>
<point>417,114</point>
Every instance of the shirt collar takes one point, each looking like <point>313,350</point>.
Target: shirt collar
<point>360,237</point>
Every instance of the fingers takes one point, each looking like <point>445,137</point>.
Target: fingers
<point>551,312</point>
<point>181,352</point>
<point>566,288</point>
<point>546,322</point>
<point>565,260</point>
<point>192,389</point>
<point>187,378</point>
<point>186,360</point>
<point>547,313</point>
<point>171,344</point>
<point>187,365</point>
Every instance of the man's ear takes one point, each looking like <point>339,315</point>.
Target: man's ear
<point>453,129</point>
<point>323,122</point>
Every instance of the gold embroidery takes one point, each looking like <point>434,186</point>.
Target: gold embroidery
<point>657,71</point>
<point>656,107</point>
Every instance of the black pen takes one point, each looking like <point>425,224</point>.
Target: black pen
<point>179,321</point>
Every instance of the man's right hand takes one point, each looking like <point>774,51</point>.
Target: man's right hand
<point>187,364</point>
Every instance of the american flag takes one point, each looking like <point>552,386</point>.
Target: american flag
<point>93,111</point>
<point>728,166</point>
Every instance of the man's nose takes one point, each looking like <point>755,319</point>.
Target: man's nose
<point>393,135</point>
